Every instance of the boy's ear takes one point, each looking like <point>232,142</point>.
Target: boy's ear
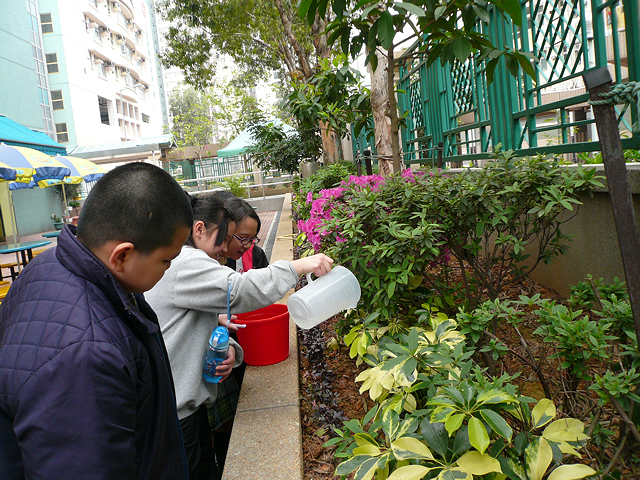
<point>119,256</point>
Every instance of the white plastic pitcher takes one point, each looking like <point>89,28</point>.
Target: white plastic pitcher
<point>321,299</point>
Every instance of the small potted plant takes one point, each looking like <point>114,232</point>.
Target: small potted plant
<point>57,222</point>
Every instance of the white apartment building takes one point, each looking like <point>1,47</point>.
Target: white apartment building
<point>102,69</point>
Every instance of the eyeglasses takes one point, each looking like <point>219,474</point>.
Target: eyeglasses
<point>247,241</point>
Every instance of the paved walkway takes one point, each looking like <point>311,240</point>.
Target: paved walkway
<point>266,441</point>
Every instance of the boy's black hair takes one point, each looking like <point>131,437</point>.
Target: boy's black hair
<point>138,203</point>
<point>239,208</point>
<point>212,211</point>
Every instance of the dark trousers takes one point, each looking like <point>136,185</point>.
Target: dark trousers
<point>196,433</point>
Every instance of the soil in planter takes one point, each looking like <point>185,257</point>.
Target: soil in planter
<point>330,395</point>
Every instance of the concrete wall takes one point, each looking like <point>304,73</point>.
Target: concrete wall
<point>33,209</point>
<point>594,249</point>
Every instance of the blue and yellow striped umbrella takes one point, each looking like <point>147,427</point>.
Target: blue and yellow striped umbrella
<point>81,170</point>
<point>30,164</point>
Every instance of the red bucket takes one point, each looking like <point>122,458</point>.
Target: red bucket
<point>265,340</point>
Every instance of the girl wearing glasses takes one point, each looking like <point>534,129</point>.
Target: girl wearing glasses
<point>243,252</point>
<point>189,298</point>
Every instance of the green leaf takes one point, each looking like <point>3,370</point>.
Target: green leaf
<point>454,422</point>
<point>494,396</point>
<point>391,288</point>
<point>367,470</point>
<point>386,31</point>
<point>479,464</point>
<point>339,6</point>
<point>411,8</point>
<point>571,472</point>
<point>408,448</point>
<point>454,473</point>
<point>439,11</point>
<point>482,13</point>
<point>538,456</point>
<point>436,436</point>
<point>303,7</point>
<point>409,472</point>
<point>368,449</point>
<point>543,413</point>
<point>352,464</point>
<point>513,8</point>
<point>478,436</point>
<point>462,49</point>
<point>497,423</point>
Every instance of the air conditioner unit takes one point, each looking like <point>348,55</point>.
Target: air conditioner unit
<point>98,61</point>
<point>105,31</point>
<point>116,7</point>
<point>108,65</point>
<point>120,39</point>
<point>93,24</point>
<point>127,70</point>
<point>131,25</point>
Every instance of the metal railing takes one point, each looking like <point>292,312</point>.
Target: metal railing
<point>453,105</point>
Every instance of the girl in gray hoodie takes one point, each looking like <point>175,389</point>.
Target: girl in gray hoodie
<point>189,298</point>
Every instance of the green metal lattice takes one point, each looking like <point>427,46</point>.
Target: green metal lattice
<point>454,106</point>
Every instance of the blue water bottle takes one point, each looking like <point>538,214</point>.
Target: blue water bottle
<point>216,353</point>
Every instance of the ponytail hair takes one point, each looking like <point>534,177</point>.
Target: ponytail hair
<point>240,208</point>
<point>210,210</point>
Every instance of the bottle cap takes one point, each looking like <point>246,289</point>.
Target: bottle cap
<point>219,337</point>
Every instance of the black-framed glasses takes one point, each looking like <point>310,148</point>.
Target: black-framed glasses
<point>247,241</point>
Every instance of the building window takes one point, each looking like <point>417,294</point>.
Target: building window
<point>52,62</point>
<point>104,110</point>
<point>102,72</point>
<point>46,22</point>
<point>57,100</point>
<point>62,133</point>
<point>145,118</point>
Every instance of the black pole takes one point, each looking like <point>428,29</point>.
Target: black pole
<point>367,162</point>
<point>440,162</point>
<point>597,82</point>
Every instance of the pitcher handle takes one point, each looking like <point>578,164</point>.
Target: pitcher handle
<point>309,278</point>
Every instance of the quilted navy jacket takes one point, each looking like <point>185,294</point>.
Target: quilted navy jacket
<point>85,387</point>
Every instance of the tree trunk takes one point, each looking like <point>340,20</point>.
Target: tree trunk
<point>331,144</point>
<point>393,113</point>
<point>382,122</point>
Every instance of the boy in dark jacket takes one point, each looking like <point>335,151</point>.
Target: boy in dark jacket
<point>85,386</point>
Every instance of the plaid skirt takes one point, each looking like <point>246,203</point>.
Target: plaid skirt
<point>224,407</point>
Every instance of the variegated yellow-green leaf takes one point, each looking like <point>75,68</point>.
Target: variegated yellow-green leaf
<point>495,396</point>
<point>367,470</point>
<point>365,439</point>
<point>477,463</point>
<point>353,350</point>
<point>454,422</point>
<point>543,413</point>
<point>410,472</point>
<point>454,473</point>
<point>367,449</point>
<point>571,472</point>
<point>478,436</point>
<point>406,448</point>
<point>442,413</point>
<point>538,456</point>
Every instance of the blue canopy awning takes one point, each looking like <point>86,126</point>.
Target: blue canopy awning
<point>12,133</point>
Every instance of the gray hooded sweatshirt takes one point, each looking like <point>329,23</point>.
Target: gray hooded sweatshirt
<point>188,299</point>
